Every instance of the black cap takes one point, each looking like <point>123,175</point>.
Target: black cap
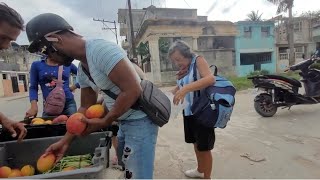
<point>41,25</point>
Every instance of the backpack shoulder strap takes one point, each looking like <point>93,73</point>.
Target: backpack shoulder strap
<point>60,71</point>
<point>135,106</point>
<point>195,93</point>
<point>108,92</point>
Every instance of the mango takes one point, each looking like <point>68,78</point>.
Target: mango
<point>45,163</point>
<point>38,122</point>
<point>95,111</point>
<point>15,173</point>
<point>37,119</point>
<point>5,171</point>
<point>69,168</point>
<point>48,122</point>
<point>75,125</point>
<point>60,119</point>
<point>27,170</point>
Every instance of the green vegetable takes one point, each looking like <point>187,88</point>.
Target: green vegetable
<point>79,161</point>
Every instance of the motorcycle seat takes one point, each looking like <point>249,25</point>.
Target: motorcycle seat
<point>292,81</point>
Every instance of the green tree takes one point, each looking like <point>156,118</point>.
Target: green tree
<point>254,16</point>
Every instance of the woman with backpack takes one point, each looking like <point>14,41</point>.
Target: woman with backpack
<point>202,137</point>
<point>46,74</point>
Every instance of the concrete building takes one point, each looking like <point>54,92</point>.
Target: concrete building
<point>15,64</point>
<point>254,46</point>
<point>155,29</point>
<point>212,39</point>
<point>303,40</point>
<point>316,31</point>
<point>151,12</point>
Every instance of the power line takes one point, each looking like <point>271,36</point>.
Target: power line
<point>106,27</point>
<point>187,3</point>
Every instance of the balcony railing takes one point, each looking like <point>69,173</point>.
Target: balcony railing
<point>285,56</point>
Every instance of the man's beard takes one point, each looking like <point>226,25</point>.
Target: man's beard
<point>67,60</point>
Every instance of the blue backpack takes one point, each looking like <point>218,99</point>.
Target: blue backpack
<point>213,106</point>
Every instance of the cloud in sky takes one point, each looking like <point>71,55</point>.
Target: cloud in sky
<point>80,13</point>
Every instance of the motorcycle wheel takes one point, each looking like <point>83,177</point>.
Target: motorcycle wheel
<point>264,106</point>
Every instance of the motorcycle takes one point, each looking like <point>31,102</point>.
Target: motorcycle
<point>279,91</point>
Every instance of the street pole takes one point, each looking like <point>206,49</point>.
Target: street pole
<point>115,26</point>
<point>108,28</point>
<point>131,31</point>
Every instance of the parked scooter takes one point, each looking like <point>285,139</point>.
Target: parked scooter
<point>279,91</point>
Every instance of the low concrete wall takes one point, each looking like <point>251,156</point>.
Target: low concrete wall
<point>1,86</point>
<point>21,88</point>
<point>168,77</point>
<point>7,87</point>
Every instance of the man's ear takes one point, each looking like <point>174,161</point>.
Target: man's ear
<point>56,38</point>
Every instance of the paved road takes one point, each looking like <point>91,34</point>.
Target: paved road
<point>288,145</point>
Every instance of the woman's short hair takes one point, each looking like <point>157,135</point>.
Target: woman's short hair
<point>182,47</point>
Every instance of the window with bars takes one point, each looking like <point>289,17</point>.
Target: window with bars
<point>265,31</point>
<point>297,26</point>
<point>247,31</point>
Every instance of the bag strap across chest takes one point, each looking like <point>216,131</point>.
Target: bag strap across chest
<point>60,71</point>
<point>107,91</point>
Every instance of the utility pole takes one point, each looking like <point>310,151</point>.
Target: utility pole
<point>106,27</point>
<point>131,31</point>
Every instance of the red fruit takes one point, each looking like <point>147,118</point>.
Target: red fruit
<point>5,171</point>
<point>60,119</point>
<point>75,125</point>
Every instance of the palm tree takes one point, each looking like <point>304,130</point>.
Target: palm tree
<point>254,16</point>
<point>284,6</point>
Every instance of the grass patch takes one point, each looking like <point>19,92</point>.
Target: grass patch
<point>243,83</point>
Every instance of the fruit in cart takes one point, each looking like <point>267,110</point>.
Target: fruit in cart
<point>60,119</point>
<point>5,171</point>
<point>45,163</point>
<point>27,170</point>
<point>69,168</point>
<point>48,122</point>
<point>15,173</point>
<point>95,111</point>
<point>37,121</point>
<point>75,125</point>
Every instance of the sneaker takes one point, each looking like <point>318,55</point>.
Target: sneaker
<point>194,173</point>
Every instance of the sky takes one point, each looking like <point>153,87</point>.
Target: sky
<point>80,13</point>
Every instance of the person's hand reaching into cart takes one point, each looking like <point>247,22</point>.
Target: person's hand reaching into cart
<point>59,148</point>
<point>15,128</point>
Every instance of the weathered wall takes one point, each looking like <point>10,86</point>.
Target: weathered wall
<point>223,59</point>
<point>1,86</point>
<point>181,30</point>
<point>7,87</point>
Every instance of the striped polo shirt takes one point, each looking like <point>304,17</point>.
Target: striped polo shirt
<point>102,57</point>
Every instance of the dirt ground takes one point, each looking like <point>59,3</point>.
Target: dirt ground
<point>285,146</point>
<point>251,147</point>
